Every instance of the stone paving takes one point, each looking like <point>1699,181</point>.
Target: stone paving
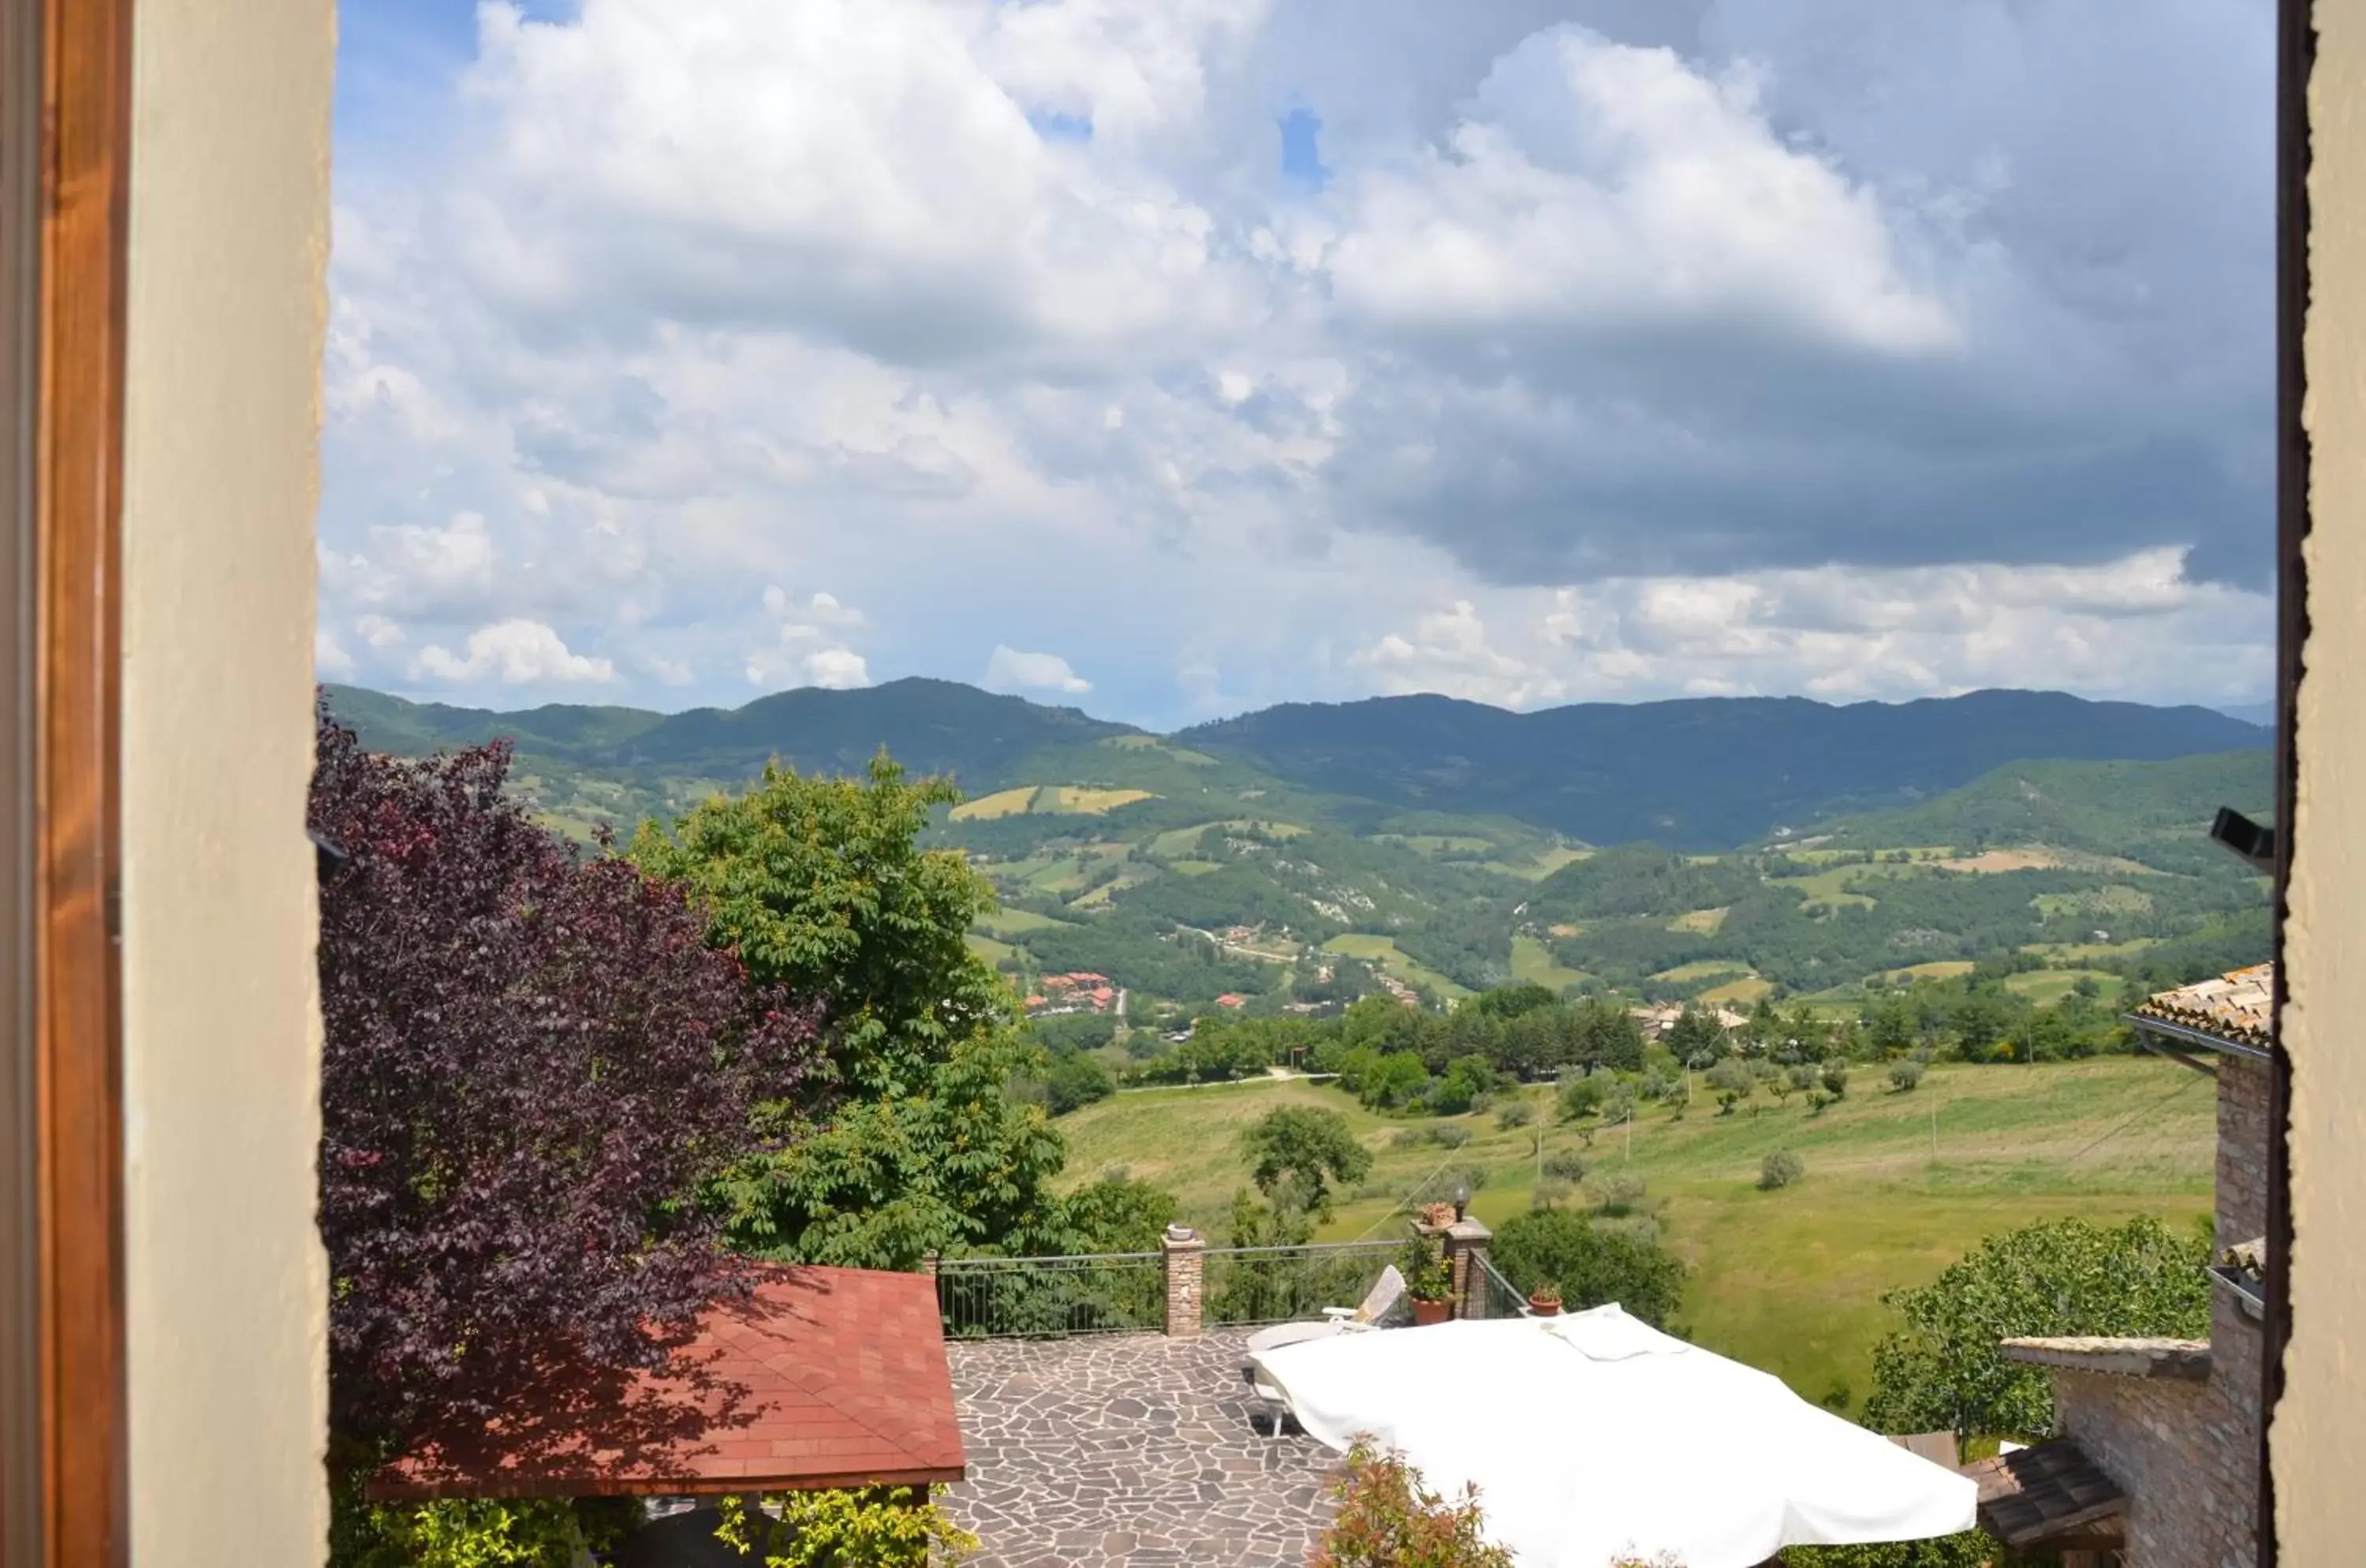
<point>1125,1451</point>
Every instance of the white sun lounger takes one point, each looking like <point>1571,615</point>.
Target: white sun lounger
<point>1387,1291</point>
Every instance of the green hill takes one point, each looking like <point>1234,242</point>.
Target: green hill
<point>1187,871</point>
<point>1704,773</point>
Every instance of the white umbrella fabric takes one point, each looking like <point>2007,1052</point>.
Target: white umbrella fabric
<point>1593,1437</point>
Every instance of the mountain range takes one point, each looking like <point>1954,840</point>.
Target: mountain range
<point>1723,848</point>
<point>1695,773</point>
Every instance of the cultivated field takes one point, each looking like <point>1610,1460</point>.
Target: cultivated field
<point>1788,1281</point>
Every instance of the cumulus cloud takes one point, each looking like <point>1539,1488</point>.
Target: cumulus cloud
<point>1010,670</point>
<point>515,653</point>
<point>1721,328</point>
<point>811,645</point>
<point>1846,634</point>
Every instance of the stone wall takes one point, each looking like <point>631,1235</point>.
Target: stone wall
<point>2186,1453</point>
<point>2242,1148</point>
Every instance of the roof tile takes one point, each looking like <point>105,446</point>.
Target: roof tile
<point>822,1377</point>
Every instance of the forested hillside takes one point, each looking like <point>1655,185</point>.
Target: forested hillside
<point>1182,870</point>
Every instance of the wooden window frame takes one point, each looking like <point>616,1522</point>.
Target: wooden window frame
<point>65,132</point>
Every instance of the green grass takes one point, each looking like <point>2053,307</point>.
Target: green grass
<point>2046,986</point>
<point>1790,1281</point>
<point>1741,992</point>
<point>986,947</point>
<point>1385,952</point>
<point>1015,922</point>
<point>1532,962</point>
<point>1706,969</point>
<point>1544,865</point>
<point>2086,951</point>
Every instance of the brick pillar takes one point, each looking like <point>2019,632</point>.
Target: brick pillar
<point>1185,1256</point>
<point>1466,1249</point>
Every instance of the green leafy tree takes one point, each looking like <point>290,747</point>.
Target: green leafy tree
<point>1732,1082</point>
<point>820,884</point>
<point>1117,1213</point>
<point>1591,1264</point>
<point>956,1168</point>
<point>1075,1081</point>
<point>1297,1151</point>
<point>1696,1033</point>
<point>1582,1097</point>
<point>2056,1278</point>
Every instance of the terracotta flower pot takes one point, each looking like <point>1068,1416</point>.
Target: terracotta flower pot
<point>1427,1313</point>
<point>1543,1308</point>
<point>1437,1216</point>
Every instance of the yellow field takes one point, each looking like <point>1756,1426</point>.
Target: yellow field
<point>1001,802</point>
<point>1943,969</point>
<point>1088,802</point>
<point>1706,969</point>
<point>1743,991</point>
<point>1705,922</point>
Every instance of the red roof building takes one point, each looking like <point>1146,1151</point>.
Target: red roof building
<point>1230,999</point>
<point>823,1378</point>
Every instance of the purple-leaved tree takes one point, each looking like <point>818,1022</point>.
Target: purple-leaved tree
<point>533,1061</point>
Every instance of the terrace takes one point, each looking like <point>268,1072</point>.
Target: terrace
<point>1104,1417</point>
<point>1129,1449</point>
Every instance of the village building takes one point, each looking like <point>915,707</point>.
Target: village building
<point>2158,1461</point>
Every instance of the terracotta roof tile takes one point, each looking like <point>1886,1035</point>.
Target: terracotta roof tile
<point>825,1377</point>
<point>2237,1007</point>
<point>2044,1492</point>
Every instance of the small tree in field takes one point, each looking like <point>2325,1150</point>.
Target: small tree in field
<point>532,1064</point>
<point>1297,1151</point>
<point>1780,1170</point>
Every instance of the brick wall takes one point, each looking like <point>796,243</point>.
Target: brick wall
<point>1186,1258</point>
<point>2186,1453</point>
<point>2242,1148</point>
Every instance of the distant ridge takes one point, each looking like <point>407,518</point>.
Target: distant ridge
<point>1696,774</point>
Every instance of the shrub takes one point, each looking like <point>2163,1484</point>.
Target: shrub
<point>1836,1078</point>
<point>873,1526</point>
<point>1582,1097</point>
<point>476,1532</point>
<point>1550,1194</point>
<point>1591,1264</point>
<point>1407,1138</point>
<point>1076,1081</point>
<point>1905,1075</point>
<point>1780,1170</point>
<point>1446,1135</point>
<point>1619,1194</point>
<point>1565,1167</point>
<point>1388,1518</point>
<point>1515,1113</point>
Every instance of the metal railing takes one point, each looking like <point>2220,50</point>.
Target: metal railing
<point>1016,1298</point>
<point>1249,1285</point>
<point>1491,1295</point>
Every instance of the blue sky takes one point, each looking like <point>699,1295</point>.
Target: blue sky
<point>1168,361</point>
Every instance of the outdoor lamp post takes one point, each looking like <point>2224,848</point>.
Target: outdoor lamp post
<point>1461,1200</point>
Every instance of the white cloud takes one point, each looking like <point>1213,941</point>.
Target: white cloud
<point>1010,670</point>
<point>2136,627</point>
<point>810,644</point>
<point>329,656</point>
<point>516,653</point>
<point>977,311</point>
<point>1620,190</point>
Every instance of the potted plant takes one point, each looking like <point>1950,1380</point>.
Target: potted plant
<point>1432,1289</point>
<point>1545,1300</point>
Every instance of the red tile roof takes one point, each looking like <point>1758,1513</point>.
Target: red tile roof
<point>2238,1008</point>
<point>825,1377</point>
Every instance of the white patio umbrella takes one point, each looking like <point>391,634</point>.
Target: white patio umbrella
<point>1593,1437</point>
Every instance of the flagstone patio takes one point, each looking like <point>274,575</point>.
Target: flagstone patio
<point>1125,1451</point>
